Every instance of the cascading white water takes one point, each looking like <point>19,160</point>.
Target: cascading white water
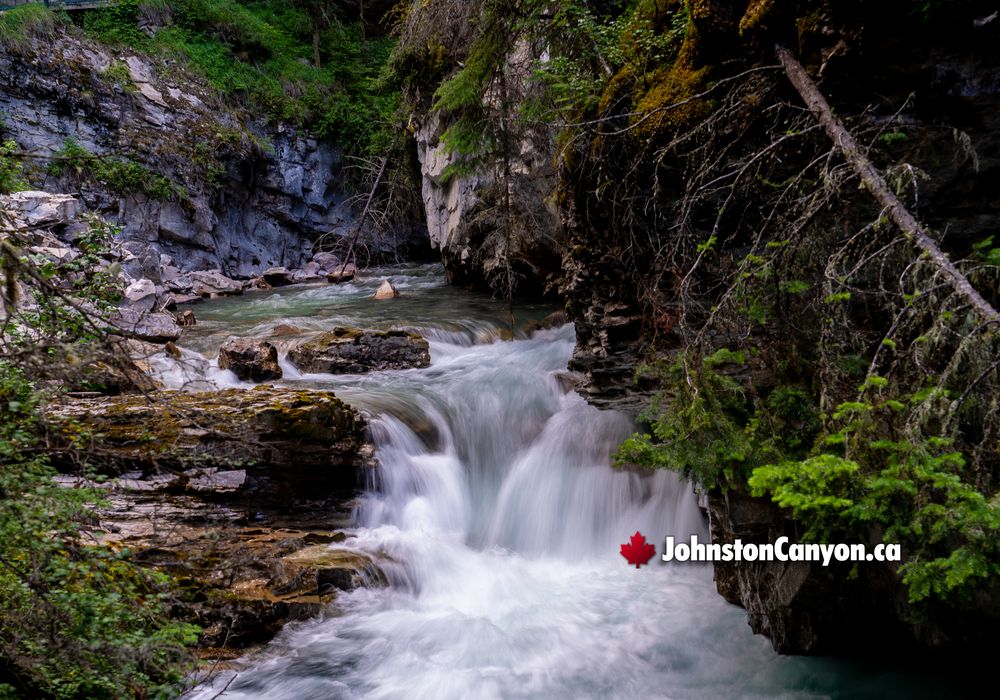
<point>500,536</point>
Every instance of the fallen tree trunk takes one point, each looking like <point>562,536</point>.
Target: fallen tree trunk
<point>876,184</point>
<point>364,214</point>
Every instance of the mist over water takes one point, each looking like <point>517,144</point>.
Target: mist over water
<point>497,518</point>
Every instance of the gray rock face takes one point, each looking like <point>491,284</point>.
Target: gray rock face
<point>803,607</point>
<point>355,351</point>
<point>467,218</point>
<point>277,276</point>
<point>141,295</point>
<point>250,359</point>
<point>249,201</point>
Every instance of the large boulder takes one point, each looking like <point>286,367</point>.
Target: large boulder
<point>277,276</point>
<point>211,283</point>
<point>286,440</point>
<point>42,208</point>
<point>249,359</point>
<point>140,295</point>
<point>342,273</point>
<point>327,262</point>
<point>354,351</point>
<point>153,328</point>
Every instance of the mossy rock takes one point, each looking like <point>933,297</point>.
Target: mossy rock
<point>347,350</point>
<point>288,436</point>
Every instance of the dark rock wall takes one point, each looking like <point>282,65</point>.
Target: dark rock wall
<point>944,82</point>
<point>252,197</point>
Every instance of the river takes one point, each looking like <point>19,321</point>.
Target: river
<point>498,518</point>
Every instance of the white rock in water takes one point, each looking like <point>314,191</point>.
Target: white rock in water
<point>386,291</point>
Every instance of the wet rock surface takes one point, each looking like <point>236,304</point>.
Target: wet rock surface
<point>240,495</point>
<point>288,441</point>
<point>244,570</point>
<point>386,290</point>
<point>250,359</point>
<point>355,351</point>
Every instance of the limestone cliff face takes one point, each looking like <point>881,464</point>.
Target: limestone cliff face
<point>220,191</point>
<point>496,227</point>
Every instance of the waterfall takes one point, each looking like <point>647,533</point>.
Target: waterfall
<point>497,518</point>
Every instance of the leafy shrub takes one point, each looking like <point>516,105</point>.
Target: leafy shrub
<point>19,24</point>
<point>121,175</point>
<point>79,619</point>
<point>11,179</point>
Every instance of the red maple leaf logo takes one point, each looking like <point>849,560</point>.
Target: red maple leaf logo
<point>638,551</point>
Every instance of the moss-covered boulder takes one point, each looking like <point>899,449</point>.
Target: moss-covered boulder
<point>354,351</point>
<point>286,440</point>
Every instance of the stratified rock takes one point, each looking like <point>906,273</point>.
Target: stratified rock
<point>355,351</point>
<point>287,440</point>
<point>42,208</point>
<point>386,290</point>
<point>249,359</point>
<point>244,581</point>
<point>153,328</point>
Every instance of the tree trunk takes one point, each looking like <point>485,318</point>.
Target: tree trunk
<point>364,214</point>
<point>876,184</point>
<point>315,33</point>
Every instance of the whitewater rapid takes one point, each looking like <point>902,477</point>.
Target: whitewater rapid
<point>497,517</point>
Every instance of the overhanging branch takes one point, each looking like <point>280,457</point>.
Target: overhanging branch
<point>876,184</point>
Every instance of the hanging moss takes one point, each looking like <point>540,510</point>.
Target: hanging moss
<point>756,14</point>
<point>671,102</point>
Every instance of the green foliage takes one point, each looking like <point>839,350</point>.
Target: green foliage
<point>117,24</point>
<point>122,176</point>
<point>20,24</point>
<point>817,490</point>
<point>260,55</point>
<point>593,45</point>
<point>11,178</point>
<point>117,74</point>
<point>51,317</point>
<point>912,490</point>
<point>79,619</point>
<point>711,431</point>
<point>891,137</point>
<point>986,252</point>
